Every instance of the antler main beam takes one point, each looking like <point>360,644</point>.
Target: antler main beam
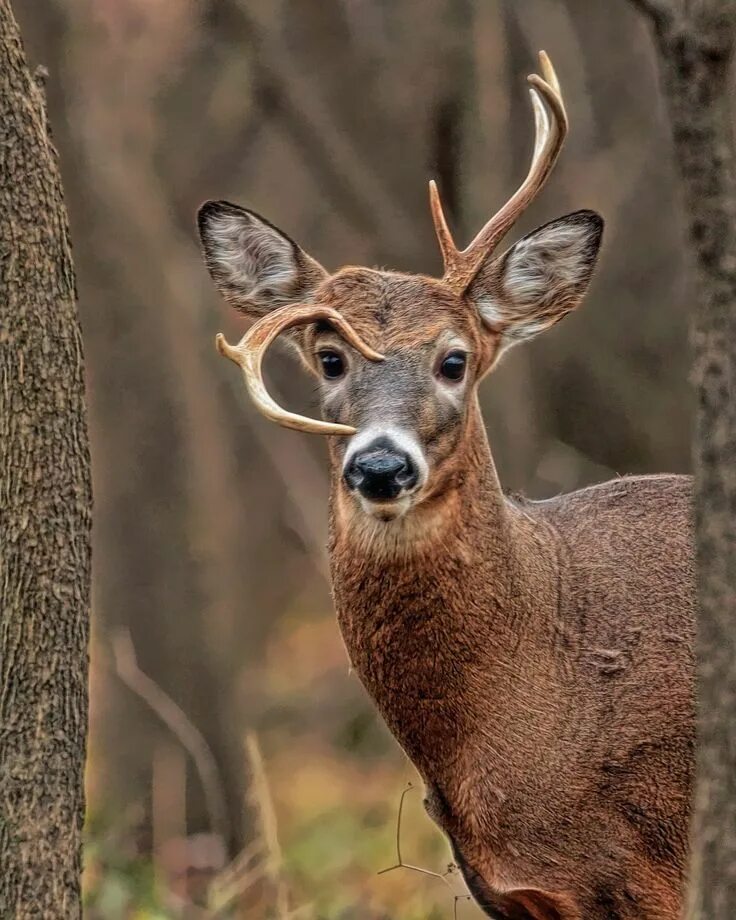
<point>551,126</point>
<point>248,354</point>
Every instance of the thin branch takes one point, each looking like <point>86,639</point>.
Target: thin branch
<point>262,800</point>
<point>177,721</point>
<point>222,903</point>
<point>241,874</point>
<point>400,864</point>
<point>236,870</point>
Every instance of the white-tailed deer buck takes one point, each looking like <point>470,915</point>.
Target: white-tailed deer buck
<point>534,659</point>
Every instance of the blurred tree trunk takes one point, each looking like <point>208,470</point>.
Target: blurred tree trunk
<point>694,41</point>
<point>45,504</point>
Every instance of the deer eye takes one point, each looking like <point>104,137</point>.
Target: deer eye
<point>333,365</point>
<point>453,365</point>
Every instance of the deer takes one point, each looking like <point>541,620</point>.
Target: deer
<point>534,659</point>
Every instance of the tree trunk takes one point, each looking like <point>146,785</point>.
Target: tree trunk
<point>694,41</point>
<point>45,505</point>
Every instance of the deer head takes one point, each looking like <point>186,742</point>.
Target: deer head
<point>399,357</point>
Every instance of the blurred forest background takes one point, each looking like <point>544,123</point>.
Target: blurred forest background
<point>272,790</point>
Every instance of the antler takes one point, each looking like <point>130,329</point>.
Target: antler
<point>251,349</point>
<point>551,125</point>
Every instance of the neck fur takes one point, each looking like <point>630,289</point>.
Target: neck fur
<point>434,607</point>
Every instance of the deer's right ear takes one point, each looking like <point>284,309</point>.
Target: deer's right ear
<point>254,265</point>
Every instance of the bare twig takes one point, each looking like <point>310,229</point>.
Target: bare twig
<point>400,864</point>
<point>235,879</point>
<point>260,796</point>
<point>234,871</point>
<point>264,851</point>
<point>222,898</point>
<point>177,721</point>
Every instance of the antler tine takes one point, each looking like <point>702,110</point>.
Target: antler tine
<point>248,354</point>
<point>551,127</point>
<point>549,73</point>
<point>448,248</point>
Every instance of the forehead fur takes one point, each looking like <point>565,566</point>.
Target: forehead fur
<point>390,306</point>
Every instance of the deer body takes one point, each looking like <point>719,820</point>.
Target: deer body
<point>534,659</point>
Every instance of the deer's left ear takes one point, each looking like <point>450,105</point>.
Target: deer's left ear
<point>540,279</point>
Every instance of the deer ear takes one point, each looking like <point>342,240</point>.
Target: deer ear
<point>539,279</point>
<point>254,265</point>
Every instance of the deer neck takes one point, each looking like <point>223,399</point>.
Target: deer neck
<point>436,609</point>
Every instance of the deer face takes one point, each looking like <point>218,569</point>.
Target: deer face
<point>409,410</point>
<point>405,416</point>
<point>399,356</point>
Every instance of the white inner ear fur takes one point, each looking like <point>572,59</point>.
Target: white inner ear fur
<point>547,265</point>
<point>249,255</point>
<point>539,280</point>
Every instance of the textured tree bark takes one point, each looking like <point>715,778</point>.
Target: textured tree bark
<point>694,40</point>
<point>45,511</point>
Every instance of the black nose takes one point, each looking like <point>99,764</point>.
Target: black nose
<point>380,473</point>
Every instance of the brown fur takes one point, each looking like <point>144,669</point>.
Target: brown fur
<point>535,662</point>
<point>533,659</point>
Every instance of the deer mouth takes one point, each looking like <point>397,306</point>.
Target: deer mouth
<point>386,511</point>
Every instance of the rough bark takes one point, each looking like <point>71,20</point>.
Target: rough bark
<point>694,41</point>
<point>45,504</point>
